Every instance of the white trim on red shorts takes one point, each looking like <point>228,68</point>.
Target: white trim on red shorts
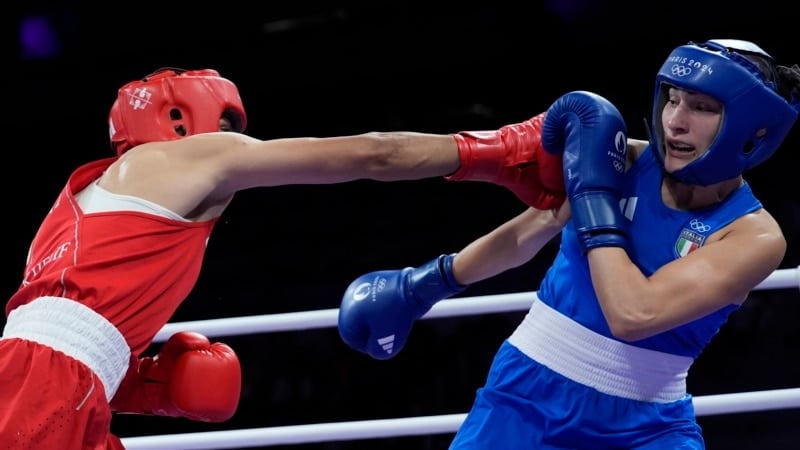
<point>76,330</point>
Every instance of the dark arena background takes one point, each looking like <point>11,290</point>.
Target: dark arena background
<point>333,68</point>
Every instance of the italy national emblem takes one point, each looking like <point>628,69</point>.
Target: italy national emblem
<point>687,242</point>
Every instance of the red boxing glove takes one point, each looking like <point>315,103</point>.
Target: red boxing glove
<point>190,377</point>
<point>513,157</point>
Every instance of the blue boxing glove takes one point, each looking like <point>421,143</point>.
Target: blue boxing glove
<point>378,309</point>
<point>591,134</point>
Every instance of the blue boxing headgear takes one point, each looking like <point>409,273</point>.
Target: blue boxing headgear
<point>750,103</point>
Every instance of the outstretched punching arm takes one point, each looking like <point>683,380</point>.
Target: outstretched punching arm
<point>217,165</point>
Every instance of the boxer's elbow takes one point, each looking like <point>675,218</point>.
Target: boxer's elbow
<point>631,326</point>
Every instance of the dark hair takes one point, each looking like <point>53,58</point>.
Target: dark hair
<point>788,81</point>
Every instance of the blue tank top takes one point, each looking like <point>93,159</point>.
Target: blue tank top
<point>658,235</point>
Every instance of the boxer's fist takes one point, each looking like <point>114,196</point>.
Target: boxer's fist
<point>190,377</point>
<point>591,134</point>
<point>513,157</point>
<point>378,309</point>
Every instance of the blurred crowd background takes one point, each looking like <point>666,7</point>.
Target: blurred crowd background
<point>331,68</point>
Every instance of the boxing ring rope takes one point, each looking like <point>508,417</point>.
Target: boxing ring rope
<point>413,426</point>
<point>410,426</point>
<point>326,318</point>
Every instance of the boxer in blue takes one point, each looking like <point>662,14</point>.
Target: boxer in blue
<point>660,242</point>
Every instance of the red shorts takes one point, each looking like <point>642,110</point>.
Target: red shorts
<point>51,401</point>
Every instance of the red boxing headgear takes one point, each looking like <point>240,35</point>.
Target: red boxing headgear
<point>173,103</point>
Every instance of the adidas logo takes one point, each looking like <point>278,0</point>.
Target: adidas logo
<point>387,343</point>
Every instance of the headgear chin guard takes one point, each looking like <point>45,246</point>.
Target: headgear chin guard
<point>173,103</point>
<point>750,103</point>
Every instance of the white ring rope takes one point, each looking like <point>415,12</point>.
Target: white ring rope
<point>413,426</point>
<point>326,318</point>
<point>410,426</point>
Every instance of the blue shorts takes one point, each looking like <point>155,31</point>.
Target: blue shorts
<point>525,405</point>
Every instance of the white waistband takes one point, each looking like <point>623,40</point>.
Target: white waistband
<point>605,364</point>
<point>76,330</point>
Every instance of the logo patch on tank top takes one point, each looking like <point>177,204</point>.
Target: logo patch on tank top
<point>687,242</point>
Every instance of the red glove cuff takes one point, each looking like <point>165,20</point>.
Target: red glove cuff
<point>189,378</point>
<point>482,155</point>
<point>513,157</point>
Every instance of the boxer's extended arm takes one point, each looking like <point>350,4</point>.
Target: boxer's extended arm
<point>204,171</point>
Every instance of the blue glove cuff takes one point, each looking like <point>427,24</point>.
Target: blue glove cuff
<point>605,239</point>
<point>598,220</point>
<point>434,281</point>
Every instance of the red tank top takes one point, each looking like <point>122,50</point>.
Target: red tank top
<point>133,268</point>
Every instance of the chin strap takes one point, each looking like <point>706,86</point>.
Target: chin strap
<point>653,147</point>
<point>648,131</point>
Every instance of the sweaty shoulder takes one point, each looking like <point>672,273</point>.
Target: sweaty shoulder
<point>756,238</point>
<point>204,153</point>
<point>199,146</point>
<point>759,224</point>
<point>180,175</point>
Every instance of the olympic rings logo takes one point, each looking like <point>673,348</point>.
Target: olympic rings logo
<point>680,70</point>
<point>699,226</point>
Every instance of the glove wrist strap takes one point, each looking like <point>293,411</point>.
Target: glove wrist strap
<point>482,155</point>
<point>434,281</point>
